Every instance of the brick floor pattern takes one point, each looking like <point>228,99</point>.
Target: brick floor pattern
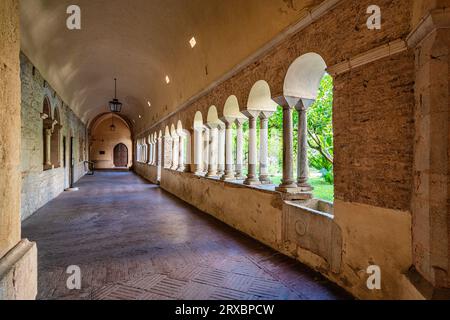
<point>133,241</point>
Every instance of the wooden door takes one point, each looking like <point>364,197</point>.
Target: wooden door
<point>121,155</point>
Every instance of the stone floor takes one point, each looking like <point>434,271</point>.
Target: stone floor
<point>132,240</point>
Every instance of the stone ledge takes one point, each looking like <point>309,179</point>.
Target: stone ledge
<point>18,272</point>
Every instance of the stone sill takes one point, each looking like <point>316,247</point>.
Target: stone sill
<point>312,206</point>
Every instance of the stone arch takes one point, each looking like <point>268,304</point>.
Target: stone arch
<point>47,128</point>
<point>212,117</point>
<point>55,144</point>
<point>303,78</point>
<point>198,120</point>
<point>260,97</point>
<point>231,108</point>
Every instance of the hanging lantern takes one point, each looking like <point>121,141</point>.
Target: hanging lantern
<point>115,105</point>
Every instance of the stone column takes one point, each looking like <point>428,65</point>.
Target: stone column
<point>198,151</point>
<point>155,151</point>
<point>150,152</point>
<point>206,148</point>
<point>181,166</point>
<point>212,167</point>
<point>302,148</point>
<point>263,146</point>
<point>288,183</point>
<point>239,149</point>
<point>175,156</point>
<point>48,139</point>
<point>229,172</point>
<point>221,150</point>
<point>252,178</point>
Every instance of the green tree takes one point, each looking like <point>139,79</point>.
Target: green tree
<point>320,129</point>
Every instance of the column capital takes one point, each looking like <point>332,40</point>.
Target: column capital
<point>304,104</point>
<point>240,121</point>
<point>266,114</point>
<point>211,126</point>
<point>251,113</point>
<point>228,120</point>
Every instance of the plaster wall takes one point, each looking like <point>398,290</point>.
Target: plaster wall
<point>103,140</point>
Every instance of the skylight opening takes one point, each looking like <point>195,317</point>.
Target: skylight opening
<point>193,42</point>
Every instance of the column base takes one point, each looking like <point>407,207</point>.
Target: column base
<point>72,189</point>
<point>239,176</point>
<point>252,182</point>
<point>288,187</point>
<point>305,186</point>
<point>18,272</point>
<point>265,180</point>
<point>228,177</point>
<point>212,175</point>
<point>181,169</point>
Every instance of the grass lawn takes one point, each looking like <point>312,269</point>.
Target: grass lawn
<point>322,189</point>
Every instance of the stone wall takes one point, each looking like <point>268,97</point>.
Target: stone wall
<point>39,186</point>
<point>149,172</point>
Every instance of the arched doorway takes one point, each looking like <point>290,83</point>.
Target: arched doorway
<point>120,156</point>
<point>106,132</point>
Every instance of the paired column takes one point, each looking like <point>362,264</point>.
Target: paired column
<point>302,149</point>
<point>150,151</point>
<point>239,148</point>
<point>155,151</point>
<point>252,178</point>
<point>175,148</point>
<point>212,167</point>
<point>160,152</point>
<point>229,170</point>
<point>288,182</point>
<point>181,165</point>
<point>263,146</point>
<point>198,151</point>
<point>221,150</point>
<point>206,147</point>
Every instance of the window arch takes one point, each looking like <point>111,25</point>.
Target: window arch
<point>47,127</point>
<point>55,145</point>
<point>309,89</point>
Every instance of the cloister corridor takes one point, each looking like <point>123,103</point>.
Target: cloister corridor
<point>134,241</point>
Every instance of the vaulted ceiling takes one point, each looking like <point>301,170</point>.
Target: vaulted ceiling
<point>141,42</point>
